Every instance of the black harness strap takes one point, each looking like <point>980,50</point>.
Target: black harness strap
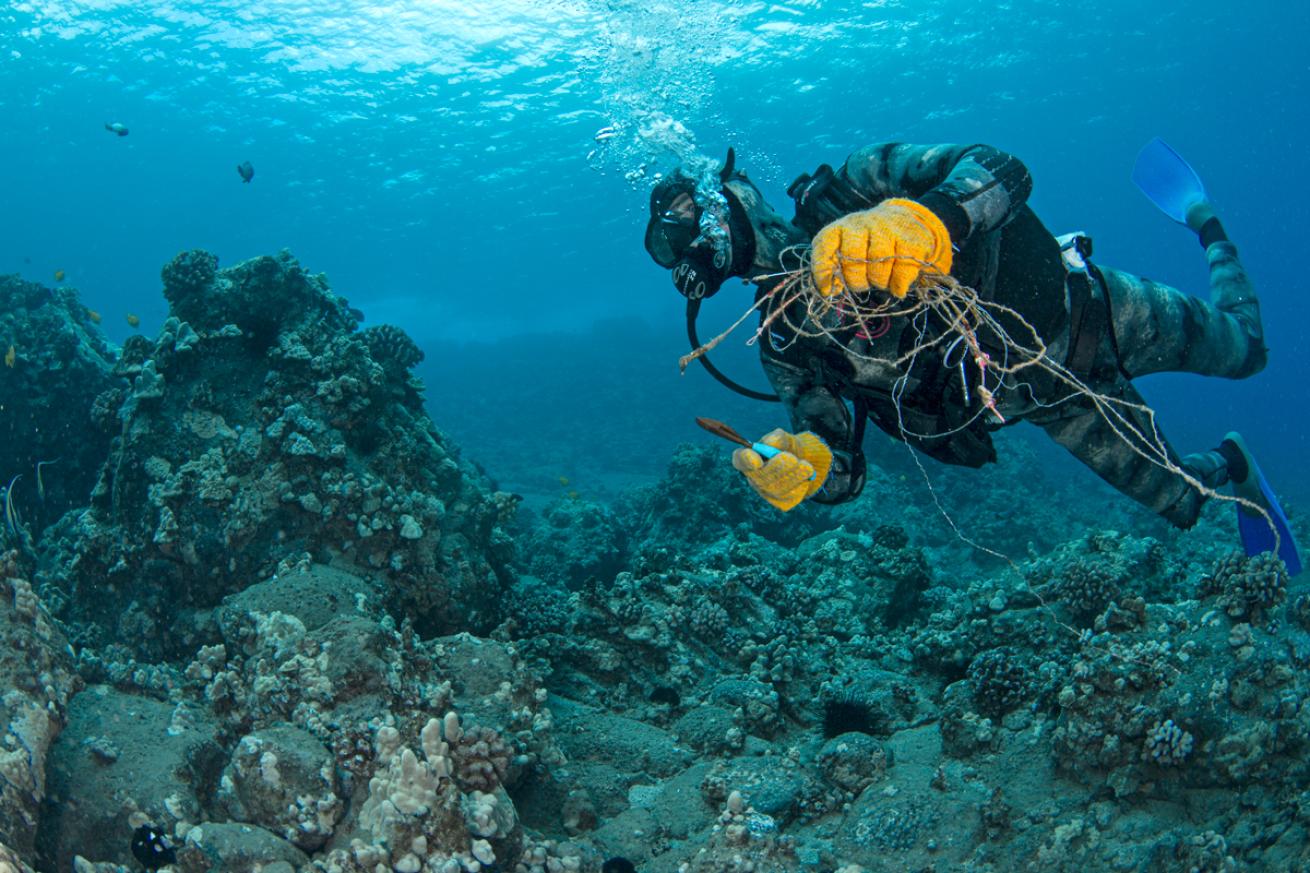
<point>1109,317</point>
<point>1088,319</point>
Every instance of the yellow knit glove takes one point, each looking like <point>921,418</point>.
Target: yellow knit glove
<point>885,247</point>
<point>791,476</point>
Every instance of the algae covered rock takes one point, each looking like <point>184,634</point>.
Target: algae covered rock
<point>283,779</point>
<point>37,681</point>
<point>853,761</point>
<point>124,760</point>
<point>229,847</point>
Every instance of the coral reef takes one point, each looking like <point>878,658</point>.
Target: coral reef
<point>314,638</point>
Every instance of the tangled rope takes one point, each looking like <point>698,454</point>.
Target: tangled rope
<point>952,319</point>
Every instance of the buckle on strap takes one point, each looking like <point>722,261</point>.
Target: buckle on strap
<point>1075,250</point>
<point>1089,305</point>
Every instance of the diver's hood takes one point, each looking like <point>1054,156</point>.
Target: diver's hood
<point>771,232</point>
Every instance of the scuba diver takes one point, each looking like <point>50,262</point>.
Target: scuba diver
<point>895,215</point>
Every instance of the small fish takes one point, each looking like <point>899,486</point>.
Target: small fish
<point>59,275</point>
<point>116,127</point>
<point>246,170</point>
<point>609,131</point>
<point>93,315</point>
<point>134,319</point>
<point>11,356</point>
<point>151,847</point>
<point>564,480</point>
<point>573,495</point>
<point>11,514</point>
<point>40,485</point>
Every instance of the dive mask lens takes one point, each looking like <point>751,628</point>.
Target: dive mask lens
<point>673,224</point>
<point>669,236</point>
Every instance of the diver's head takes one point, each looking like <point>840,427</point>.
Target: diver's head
<point>699,230</point>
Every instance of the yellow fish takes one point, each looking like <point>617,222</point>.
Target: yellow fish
<point>10,357</point>
<point>93,315</point>
<point>133,319</point>
<point>564,480</point>
<point>59,275</point>
<point>573,495</point>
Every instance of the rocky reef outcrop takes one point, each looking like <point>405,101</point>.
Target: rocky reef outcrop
<point>261,424</point>
<point>316,727</point>
<point>55,363</point>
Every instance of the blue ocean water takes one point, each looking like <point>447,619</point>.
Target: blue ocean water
<point>443,162</point>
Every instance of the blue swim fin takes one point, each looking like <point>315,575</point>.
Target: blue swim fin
<point>1258,535</point>
<point>1168,180</point>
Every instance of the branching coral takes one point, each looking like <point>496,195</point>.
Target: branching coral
<point>392,347</point>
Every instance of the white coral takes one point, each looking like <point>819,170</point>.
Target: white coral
<point>406,787</point>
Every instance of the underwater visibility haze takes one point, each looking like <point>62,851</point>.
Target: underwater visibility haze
<point>356,517</point>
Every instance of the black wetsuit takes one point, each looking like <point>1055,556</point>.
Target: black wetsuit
<point>1106,329</point>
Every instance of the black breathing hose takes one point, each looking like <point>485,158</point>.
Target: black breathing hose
<point>693,309</point>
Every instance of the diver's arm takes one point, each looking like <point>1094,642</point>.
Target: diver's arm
<point>971,188</point>
<point>820,409</point>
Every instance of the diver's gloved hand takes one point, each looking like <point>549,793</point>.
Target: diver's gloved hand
<point>790,476</point>
<point>887,247</point>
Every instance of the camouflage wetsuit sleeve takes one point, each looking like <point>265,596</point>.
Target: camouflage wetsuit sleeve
<point>973,189</point>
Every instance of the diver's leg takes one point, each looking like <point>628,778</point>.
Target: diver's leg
<point>1116,453</point>
<point>1159,328</point>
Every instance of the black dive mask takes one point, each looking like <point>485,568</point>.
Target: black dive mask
<point>674,239</point>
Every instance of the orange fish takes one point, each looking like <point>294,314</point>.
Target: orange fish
<point>93,315</point>
<point>59,275</point>
<point>133,319</point>
<point>10,357</point>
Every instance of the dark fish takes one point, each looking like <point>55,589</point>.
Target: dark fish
<point>246,170</point>
<point>152,848</point>
<point>116,127</point>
